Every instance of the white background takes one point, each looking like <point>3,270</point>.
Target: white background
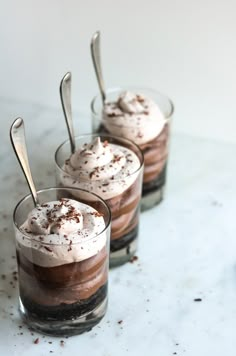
<point>184,48</point>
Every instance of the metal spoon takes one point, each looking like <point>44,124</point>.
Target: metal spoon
<point>17,135</point>
<point>65,94</point>
<point>96,57</point>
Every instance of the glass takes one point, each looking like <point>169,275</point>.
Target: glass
<point>155,151</point>
<point>69,298</point>
<point>124,205</point>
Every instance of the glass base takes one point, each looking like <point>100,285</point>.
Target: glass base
<point>153,198</point>
<point>123,249</point>
<point>62,328</point>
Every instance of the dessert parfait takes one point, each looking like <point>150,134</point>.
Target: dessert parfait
<point>144,117</point>
<point>110,167</point>
<point>62,252</point>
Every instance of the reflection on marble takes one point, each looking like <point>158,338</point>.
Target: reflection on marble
<point>187,250</point>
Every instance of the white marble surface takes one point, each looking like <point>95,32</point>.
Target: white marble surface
<point>187,250</point>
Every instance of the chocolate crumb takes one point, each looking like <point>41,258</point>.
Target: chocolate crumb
<point>133,259</point>
<point>120,322</point>
<point>36,341</point>
<point>197,300</point>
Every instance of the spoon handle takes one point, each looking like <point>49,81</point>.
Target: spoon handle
<point>96,57</point>
<point>65,94</point>
<point>17,135</point>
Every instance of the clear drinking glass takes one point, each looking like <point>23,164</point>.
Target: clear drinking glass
<point>155,151</point>
<point>69,298</point>
<point>124,203</point>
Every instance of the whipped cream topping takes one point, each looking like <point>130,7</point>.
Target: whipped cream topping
<point>104,168</point>
<point>133,116</point>
<point>61,232</point>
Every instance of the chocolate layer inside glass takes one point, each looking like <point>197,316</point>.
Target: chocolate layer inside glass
<point>155,154</point>
<point>63,291</point>
<point>124,211</point>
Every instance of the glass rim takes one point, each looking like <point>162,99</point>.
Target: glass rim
<point>132,87</point>
<point>141,158</point>
<point>29,237</point>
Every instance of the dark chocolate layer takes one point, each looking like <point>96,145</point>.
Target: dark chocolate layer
<point>64,311</point>
<point>68,283</point>
<point>155,159</point>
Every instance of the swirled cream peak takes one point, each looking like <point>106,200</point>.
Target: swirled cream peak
<point>92,157</point>
<point>104,168</point>
<point>61,232</point>
<point>133,116</point>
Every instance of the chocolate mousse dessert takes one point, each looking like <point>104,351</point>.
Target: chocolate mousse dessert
<point>63,265</point>
<point>109,167</point>
<point>138,118</point>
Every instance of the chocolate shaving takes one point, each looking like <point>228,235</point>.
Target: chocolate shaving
<point>36,341</point>
<point>117,158</point>
<point>97,214</point>
<point>47,248</point>
<point>96,169</point>
<point>112,114</point>
<point>140,99</point>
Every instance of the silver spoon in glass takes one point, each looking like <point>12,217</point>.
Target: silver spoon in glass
<point>65,94</point>
<point>17,135</point>
<point>96,57</point>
